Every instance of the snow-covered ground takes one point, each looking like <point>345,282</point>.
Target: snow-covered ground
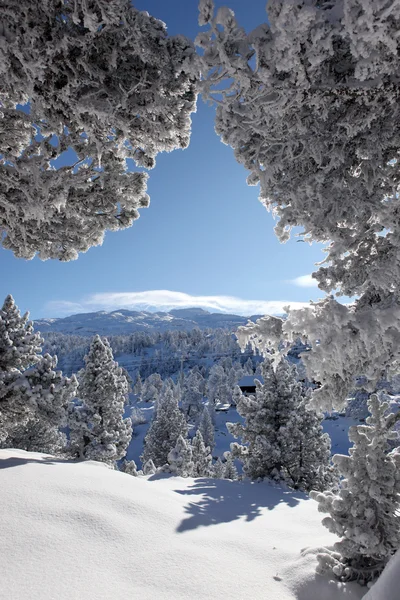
<point>82,531</point>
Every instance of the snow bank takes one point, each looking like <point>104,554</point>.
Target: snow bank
<point>80,530</point>
<point>387,586</point>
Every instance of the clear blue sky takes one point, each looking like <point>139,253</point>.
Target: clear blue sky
<point>205,233</point>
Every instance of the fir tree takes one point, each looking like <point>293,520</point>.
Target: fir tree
<point>206,428</point>
<point>230,470</point>
<point>167,425</point>
<point>192,398</point>
<point>149,467</point>
<point>180,458</point>
<point>283,436</point>
<point>33,395</point>
<point>218,469</point>
<point>129,467</point>
<point>365,511</point>
<point>137,389</point>
<point>236,396</point>
<point>98,430</point>
<point>201,456</point>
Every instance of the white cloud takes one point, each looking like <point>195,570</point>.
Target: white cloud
<point>165,300</point>
<point>305,281</point>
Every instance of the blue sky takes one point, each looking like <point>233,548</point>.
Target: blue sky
<point>205,240</point>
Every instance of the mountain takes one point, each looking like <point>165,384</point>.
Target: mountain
<point>128,321</point>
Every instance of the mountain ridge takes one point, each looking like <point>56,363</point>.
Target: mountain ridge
<point>125,321</point>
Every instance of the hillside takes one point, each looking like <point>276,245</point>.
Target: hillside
<point>80,530</point>
<point>128,321</point>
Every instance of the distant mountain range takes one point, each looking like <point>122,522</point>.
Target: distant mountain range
<point>128,321</point>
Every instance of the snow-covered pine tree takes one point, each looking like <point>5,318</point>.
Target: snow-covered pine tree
<point>201,457</point>
<point>98,430</point>
<point>110,72</point>
<point>192,398</point>
<point>218,469</point>
<point>137,388</point>
<point>365,512</point>
<point>206,428</point>
<point>167,425</point>
<point>180,458</point>
<point>33,396</point>
<point>283,437</point>
<point>236,396</point>
<point>230,470</point>
<point>149,467</point>
<point>129,467</point>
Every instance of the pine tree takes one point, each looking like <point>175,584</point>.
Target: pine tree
<point>149,467</point>
<point>201,457</point>
<point>365,511</point>
<point>129,467</point>
<point>192,398</point>
<point>180,458</point>
<point>236,396</point>
<point>218,469</point>
<point>167,425</point>
<point>98,430</point>
<point>206,428</point>
<point>115,75</point>
<point>137,389</point>
<point>33,396</point>
<point>283,436</point>
<point>230,470</point>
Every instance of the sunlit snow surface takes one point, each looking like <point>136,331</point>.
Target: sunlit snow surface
<point>82,531</point>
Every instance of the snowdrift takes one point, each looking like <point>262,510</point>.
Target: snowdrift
<point>80,530</point>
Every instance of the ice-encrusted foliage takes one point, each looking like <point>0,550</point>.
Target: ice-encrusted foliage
<point>230,470</point>
<point>180,458</point>
<point>206,428</point>
<point>309,103</point>
<point>33,394</point>
<point>282,435</point>
<point>98,430</point>
<point>167,425</point>
<point>346,342</point>
<point>111,85</point>
<point>201,457</point>
<point>311,109</point>
<point>365,511</point>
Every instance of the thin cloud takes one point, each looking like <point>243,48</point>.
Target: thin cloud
<point>305,281</point>
<point>165,300</point>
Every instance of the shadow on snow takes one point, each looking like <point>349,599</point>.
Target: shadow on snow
<point>223,501</point>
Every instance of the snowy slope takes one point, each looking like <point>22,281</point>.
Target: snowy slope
<point>80,530</point>
<point>127,321</point>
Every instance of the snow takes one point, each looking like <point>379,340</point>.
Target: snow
<point>129,321</point>
<point>387,586</point>
<point>81,530</point>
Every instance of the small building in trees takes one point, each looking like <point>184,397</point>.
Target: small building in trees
<point>247,384</point>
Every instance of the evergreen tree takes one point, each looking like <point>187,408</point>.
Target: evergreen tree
<point>230,470</point>
<point>137,390</point>
<point>206,428</point>
<point>218,469</point>
<point>201,457</point>
<point>180,458</point>
<point>167,425</point>
<point>33,396</point>
<point>98,430</point>
<point>129,467</point>
<point>283,437</point>
<point>365,512</point>
<point>236,396</point>
<point>113,74</point>
<point>192,398</point>
<point>149,467</point>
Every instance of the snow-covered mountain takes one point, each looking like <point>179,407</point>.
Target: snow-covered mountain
<point>127,321</point>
